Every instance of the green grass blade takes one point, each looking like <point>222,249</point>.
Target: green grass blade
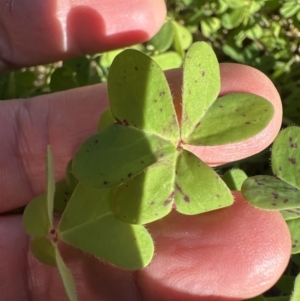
<point>232,118</point>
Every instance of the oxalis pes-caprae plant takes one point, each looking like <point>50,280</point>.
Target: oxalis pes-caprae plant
<point>137,167</point>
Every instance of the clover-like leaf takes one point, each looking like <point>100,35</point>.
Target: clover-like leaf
<point>180,181</point>
<point>201,86</point>
<point>270,193</point>
<point>35,218</point>
<point>140,96</point>
<point>234,178</point>
<point>38,222</point>
<point>43,250</point>
<point>294,227</point>
<point>88,224</point>
<point>148,196</point>
<point>286,156</point>
<point>232,118</point>
<point>116,154</point>
<point>198,188</point>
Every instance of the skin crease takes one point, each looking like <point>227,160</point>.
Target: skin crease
<point>229,254</point>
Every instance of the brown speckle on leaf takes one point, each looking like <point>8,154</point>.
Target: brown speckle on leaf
<point>275,195</point>
<point>129,175</point>
<point>203,73</point>
<point>292,160</point>
<point>285,200</point>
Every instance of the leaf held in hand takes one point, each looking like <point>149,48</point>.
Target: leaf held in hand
<point>89,224</point>
<point>201,86</point>
<point>232,118</point>
<point>148,196</point>
<point>198,188</point>
<point>43,250</point>
<point>117,154</point>
<point>140,96</point>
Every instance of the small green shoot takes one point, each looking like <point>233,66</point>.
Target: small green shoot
<point>38,222</point>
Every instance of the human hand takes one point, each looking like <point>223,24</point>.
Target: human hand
<point>228,254</point>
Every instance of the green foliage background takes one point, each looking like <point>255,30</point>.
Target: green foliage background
<point>264,34</point>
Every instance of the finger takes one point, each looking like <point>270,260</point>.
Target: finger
<point>230,254</point>
<point>65,119</point>
<point>36,32</point>
<point>238,78</point>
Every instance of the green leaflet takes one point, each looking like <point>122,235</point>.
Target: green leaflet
<point>66,277</point>
<point>35,218</point>
<point>234,178</point>
<point>168,60</point>
<point>290,213</point>
<point>180,181</point>
<point>116,154</point>
<point>148,196</point>
<point>105,120</point>
<point>88,224</point>
<point>62,195</point>
<point>43,250</point>
<point>296,293</point>
<point>267,192</point>
<point>182,38</point>
<point>198,188</point>
<point>294,227</point>
<point>70,178</point>
<point>232,118</point>
<point>140,96</point>
<point>50,185</point>
<point>286,156</point>
<point>164,38</point>
<point>201,86</point>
